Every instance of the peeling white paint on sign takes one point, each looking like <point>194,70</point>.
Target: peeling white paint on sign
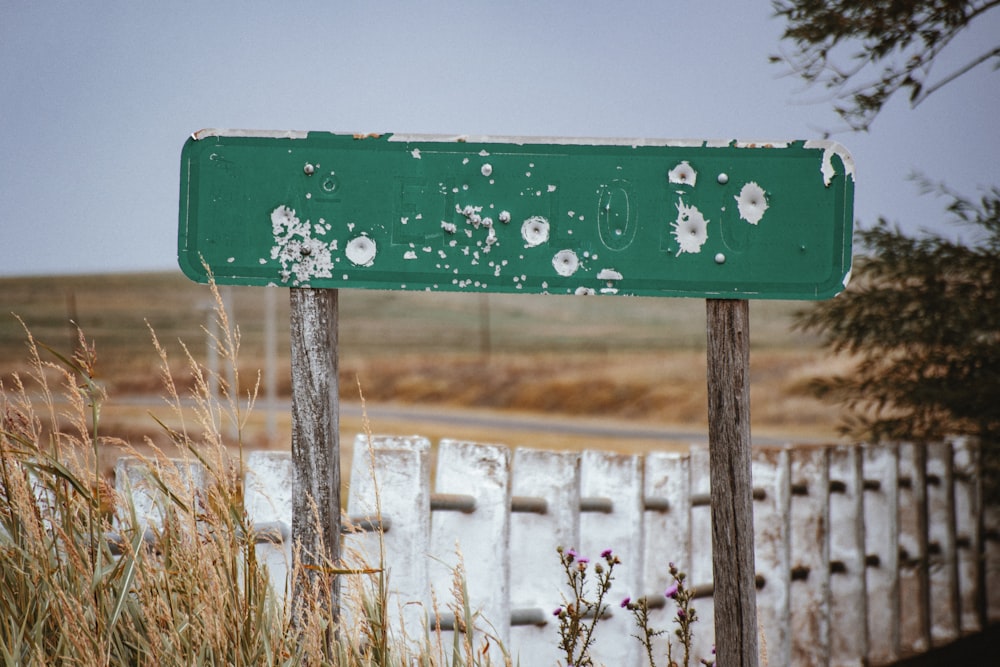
<point>565,141</point>
<point>690,228</point>
<point>761,143</point>
<point>566,262</point>
<point>535,231</point>
<point>683,174</point>
<point>257,134</point>
<point>299,254</point>
<point>831,148</point>
<point>361,250</point>
<point>751,202</point>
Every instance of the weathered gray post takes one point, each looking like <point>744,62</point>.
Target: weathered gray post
<point>315,449</point>
<point>728,325</point>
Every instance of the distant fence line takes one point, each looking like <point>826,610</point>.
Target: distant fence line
<point>864,553</point>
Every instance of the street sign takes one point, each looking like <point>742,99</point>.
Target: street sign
<point>567,216</point>
<point>713,219</point>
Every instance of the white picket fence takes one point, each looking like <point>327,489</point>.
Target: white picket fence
<point>864,554</point>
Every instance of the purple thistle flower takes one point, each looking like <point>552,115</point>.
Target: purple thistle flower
<point>606,553</point>
<point>557,611</point>
<point>672,591</point>
<point>625,602</point>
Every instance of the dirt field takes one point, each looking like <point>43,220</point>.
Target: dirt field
<point>591,360</point>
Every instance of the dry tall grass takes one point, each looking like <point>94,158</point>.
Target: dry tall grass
<point>88,580</point>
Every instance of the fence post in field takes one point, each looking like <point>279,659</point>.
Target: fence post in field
<point>848,602</point>
<point>810,556</point>
<point>772,530</point>
<point>545,515</point>
<point>914,583</point>
<point>728,324</point>
<point>882,545</point>
<point>390,481</point>
<point>267,498</point>
<point>315,448</point>
<point>667,484</point>
<point>944,596</point>
<point>471,522</point>
<point>968,536</point>
<point>611,507</point>
<point>134,478</point>
<point>700,569</point>
<point>991,561</point>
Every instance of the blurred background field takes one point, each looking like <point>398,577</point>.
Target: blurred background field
<point>543,371</point>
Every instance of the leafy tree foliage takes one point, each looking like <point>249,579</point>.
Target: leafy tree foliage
<point>842,44</point>
<point>922,320</point>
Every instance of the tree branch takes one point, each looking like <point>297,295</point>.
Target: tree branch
<point>838,42</point>
<point>926,92</point>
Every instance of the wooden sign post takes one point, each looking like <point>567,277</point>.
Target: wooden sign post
<point>722,220</point>
<point>315,448</point>
<point>728,326</point>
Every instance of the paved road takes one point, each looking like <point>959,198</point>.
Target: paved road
<point>563,425</point>
<point>508,421</point>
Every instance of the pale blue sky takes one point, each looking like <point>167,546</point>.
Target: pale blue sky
<point>96,100</point>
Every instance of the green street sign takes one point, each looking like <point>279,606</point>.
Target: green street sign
<point>712,219</point>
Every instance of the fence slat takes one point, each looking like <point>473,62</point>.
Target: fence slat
<point>810,549</point>
<point>667,483</point>
<point>865,554</point>
<point>882,539</point>
<point>914,584</point>
<point>619,478</point>
<point>700,568</point>
<point>482,537</point>
<point>968,535</point>
<point>848,601</point>
<point>267,498</point>
<point>401,480</point>
<point>944,607</point>
<point>537,576</point>
<point>133,476</point>
<point>770,469</point>
<point>991,561</point>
